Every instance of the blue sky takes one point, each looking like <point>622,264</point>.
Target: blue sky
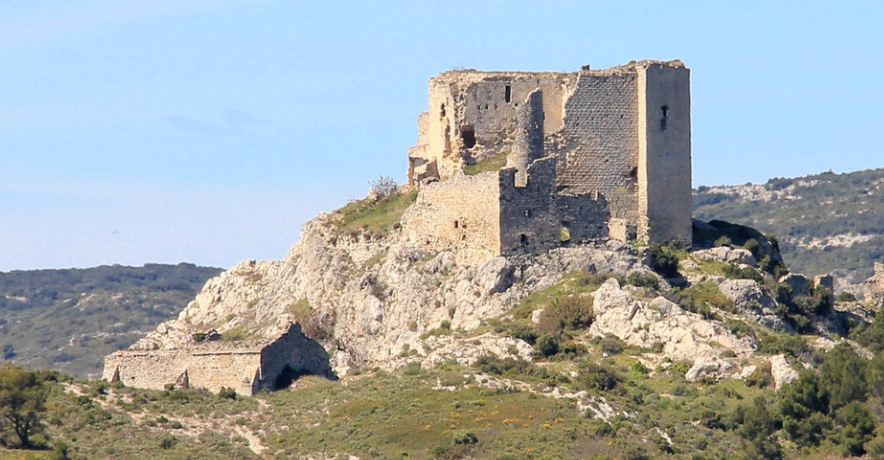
<point>209,131</point>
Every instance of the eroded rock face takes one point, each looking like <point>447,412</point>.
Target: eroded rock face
<point>781,371</point>
<point>873,288</point>
<point>682,334</point>
<point>370,297</point>
<point>373,301</point>
<point>727,254</point>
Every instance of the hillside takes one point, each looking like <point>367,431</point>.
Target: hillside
<point>69,319</point>
<point>825,223</point>
<point>603,349</point>
<point>590,355</point>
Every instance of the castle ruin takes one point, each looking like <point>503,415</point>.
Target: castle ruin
<point>506,163</point>
<point>519,162</point>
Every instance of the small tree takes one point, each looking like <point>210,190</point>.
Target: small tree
<point>22,397</point>
<point>383,186</point>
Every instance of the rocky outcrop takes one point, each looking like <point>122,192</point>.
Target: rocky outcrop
<point>873,288</point>
<point>368,297</point>
<point>387,301</point>
<point>661,324</point>
<point>727,254</point>
<point>752,301</point>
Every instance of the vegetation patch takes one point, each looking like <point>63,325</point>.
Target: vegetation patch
<point>374,216</point>
<point>491,163</point>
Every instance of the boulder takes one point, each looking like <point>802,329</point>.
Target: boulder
<point>727,254</point>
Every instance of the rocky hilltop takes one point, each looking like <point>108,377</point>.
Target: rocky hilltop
<point>374,298</point>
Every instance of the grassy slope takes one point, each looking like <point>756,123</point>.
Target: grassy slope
<point>69,319</point>
<point>813,207</point>
<point>409,415</point>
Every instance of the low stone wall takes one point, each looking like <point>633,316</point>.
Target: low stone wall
<point>211,370</point>
<point>245,366</point>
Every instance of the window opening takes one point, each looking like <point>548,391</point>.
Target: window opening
<point>456,224</point>
<point>468,135</point>
<point>523,239</point>
<point>443,110</point>
<point>508,93</point>
<point>565,232</point>
<point>665,111</point>
<point>527,213</point>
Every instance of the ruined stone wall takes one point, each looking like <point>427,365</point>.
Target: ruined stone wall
<point>664,172</point>
<point>621,137</point>
<point>206,369</point>
<point>302,354</point>
<point>600,151</point>
<point>586,217</point>
<point>528,144</point>
<point>473,115</point>
<point>461,214</point>
<point>528,219</point>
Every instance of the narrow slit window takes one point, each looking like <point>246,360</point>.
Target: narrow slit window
<point>565,233</point>
<point>665,111</point>
<point>508,93</point>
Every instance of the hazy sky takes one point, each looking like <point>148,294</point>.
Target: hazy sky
<point>208,131</point>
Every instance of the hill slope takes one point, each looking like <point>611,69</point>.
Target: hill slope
<point>825,223</point>
<point>69,319</point>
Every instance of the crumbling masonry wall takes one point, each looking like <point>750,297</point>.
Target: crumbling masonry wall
<point>620,136</point>
<point>460,214</point>
<point>600,151</point>
<point>206,368</point>
<point>245,366</point>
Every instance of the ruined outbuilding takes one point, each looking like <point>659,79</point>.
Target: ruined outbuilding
<point>246,366</point>
<point>519,162</point>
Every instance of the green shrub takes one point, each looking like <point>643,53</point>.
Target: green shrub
<point>492,163</point>
<point>547,345</point>
<point>845,296</point>
<point>598,376</point>
<point>167,441</point>
<point>611,344</point>
<point>752,246</point>
<point>412,368</point>
<point>491,364</point>
<point>522,329</point>
<point>664,259</point>
<point>464,437</point>
<point>856,428</point>
<point>722,241</point>
<point>702,297</point>
<point>645,280</point>
<point>734,272</point>
<point>566,313</point>
<point>227,393</point>
<point>761,377</point>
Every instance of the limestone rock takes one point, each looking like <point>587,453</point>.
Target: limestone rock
<point>683,335</point>
<point>873,288</point>
<point>727,254</point>
<point>747,296</point>
<point>781,370</point>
